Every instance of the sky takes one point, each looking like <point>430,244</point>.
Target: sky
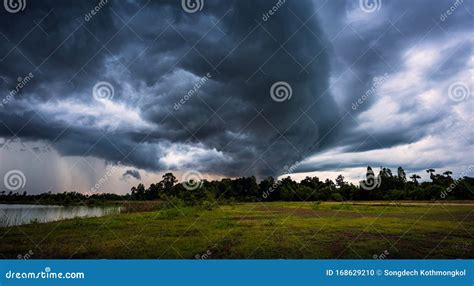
<point>98,96</point>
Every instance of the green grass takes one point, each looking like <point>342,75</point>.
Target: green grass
<point>257,230</point>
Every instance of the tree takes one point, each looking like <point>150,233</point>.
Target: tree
<point>312,183</point>
<point>386,172</point>
<point>329,183</point>
<point>138,193</point>
<point>287,189</point>
<point>431,171</point>
<point>448,174</point>
<point>265,188</point>
<point>169,180</point>
<point>154,191</point>
<point>402,176</point>
<point>340,181</point>
<point>415,178</point>
<point>370,173</point>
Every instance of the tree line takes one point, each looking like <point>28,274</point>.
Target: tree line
<point>382,186</point>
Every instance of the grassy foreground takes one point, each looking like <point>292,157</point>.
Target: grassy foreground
<point>257,230</point>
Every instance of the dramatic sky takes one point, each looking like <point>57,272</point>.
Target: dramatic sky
<point>120,95</point>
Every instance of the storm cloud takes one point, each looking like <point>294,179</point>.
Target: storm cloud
<point>133,174</point>
<point>158,88</point>
<point>152,55</point>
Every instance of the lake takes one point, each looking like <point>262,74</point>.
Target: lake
<point>11,215</point>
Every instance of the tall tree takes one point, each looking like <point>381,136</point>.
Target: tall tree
<point>340,181</point>
<point>169,180</point>
<point>431,171</point>
<point>402,176</point>
<point>448,174</point>
<point>415,178</point>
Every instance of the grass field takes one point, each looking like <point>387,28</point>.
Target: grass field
<point>257,230</point>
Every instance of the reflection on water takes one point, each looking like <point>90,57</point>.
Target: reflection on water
<point>11,215</point>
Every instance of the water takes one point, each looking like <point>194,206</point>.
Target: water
<point>11,215</point>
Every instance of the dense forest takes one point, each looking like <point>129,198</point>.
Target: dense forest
<point>384,186</point>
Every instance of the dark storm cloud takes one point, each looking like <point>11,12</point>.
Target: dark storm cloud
<point>132,173</point>
<point>152,63</point>
<point>154,53</point>
<point>366,45</point>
